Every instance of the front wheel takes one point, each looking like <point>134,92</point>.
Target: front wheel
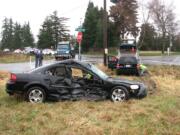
<point>35,95</point>
<point>119,94</point>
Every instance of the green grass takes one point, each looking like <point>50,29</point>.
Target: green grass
<point>16,58</point>
<point>157,114</point>
<point>113,51</point>
<point>157,53</point>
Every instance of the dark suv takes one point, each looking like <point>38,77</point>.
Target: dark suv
<point>128,65</point>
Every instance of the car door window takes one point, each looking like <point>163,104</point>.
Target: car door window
<point>77,73</point>
<point>56,71</point>
<point>80,74</point>
<point>60,72</point>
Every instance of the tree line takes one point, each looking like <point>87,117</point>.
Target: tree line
<point>17,36</point>
<point>158,28</point>
<point>157,31</point>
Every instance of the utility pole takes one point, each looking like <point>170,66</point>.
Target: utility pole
<point>105,34</point>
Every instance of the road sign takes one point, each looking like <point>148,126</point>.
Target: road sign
<point>80,29</point>
<point>79,37</point>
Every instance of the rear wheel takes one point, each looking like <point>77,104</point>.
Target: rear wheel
<point>119,94</point>
<point>35,95</point>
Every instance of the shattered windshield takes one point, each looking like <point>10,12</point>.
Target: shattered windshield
<point>97,71</point>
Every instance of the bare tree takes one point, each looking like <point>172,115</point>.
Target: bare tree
<point>145,12</point>
<point>124,15</point>
<point>163,17</point>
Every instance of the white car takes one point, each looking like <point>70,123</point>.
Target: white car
<point>6,50</point>
<point>48,52</point>
<point>28,50</point>
<point>17,51</point>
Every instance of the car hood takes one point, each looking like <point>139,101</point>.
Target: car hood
<point>119,81</point>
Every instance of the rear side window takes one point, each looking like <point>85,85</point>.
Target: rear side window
<point>128,60</point>
<point>56,71</point>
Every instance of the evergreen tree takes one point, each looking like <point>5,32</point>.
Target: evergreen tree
<point>27,36</point>
<point>53,30</point>
<point>17,37</point>
<point>7,33</point>
<point>90,24</point>
<point>99,35</point>
<point>46,35</point>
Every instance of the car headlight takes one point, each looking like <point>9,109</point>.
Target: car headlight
<point>134,87</point>
<point>67,51</point>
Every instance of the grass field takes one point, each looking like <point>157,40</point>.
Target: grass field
<point>114,51</point>
<point>16,58</point>
<point>157,114</point>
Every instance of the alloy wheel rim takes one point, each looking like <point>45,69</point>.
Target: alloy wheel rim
<point>118,95</point>
<point>36,96</point>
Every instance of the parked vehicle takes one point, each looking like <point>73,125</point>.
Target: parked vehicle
<point>64,51</point>
<point>6,50</point>
<point>18,51</point>
<point>72,80</point>
<point>128,65</point>
<point>28,50</point>
<point>127,61</point>
<point>48,52</point>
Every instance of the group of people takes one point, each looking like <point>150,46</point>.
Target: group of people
<point>38,58</point>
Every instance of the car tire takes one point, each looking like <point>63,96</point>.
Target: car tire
<point>119,94</point>
<point>35,95</point>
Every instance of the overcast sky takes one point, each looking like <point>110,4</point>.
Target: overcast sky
<point>35,11</point>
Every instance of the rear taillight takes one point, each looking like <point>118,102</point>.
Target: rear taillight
<point>13,77</point>
<point>119,66</point>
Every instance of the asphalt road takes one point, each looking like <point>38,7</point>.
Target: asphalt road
<point>148,60</point>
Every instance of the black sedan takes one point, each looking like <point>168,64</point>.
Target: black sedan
<point>72,80</point>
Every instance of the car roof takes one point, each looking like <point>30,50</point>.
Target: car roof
<point>66,62</point>
<point>72,61</point>
<point>127,44</point>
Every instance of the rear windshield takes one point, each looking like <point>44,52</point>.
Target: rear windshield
<point>128,60</point>
<point>128,48</point>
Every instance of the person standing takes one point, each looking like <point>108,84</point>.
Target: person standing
<point>40,58</point>
<point>36,58</point>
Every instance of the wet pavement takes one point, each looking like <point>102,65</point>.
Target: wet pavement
<point>149,60</point>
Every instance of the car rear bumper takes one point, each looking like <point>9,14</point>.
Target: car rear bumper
<point>127,70</point>
<point>62,57</point>
<point>11,88</point>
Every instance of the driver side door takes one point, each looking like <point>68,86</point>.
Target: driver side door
<point>92,85</point>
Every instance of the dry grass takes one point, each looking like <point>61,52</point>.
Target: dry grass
<point>157,114</point>
<point>15,58</point>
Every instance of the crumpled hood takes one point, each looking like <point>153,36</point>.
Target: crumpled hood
<point>118,81</point>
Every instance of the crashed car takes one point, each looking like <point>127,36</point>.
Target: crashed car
<point>72,80</point>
